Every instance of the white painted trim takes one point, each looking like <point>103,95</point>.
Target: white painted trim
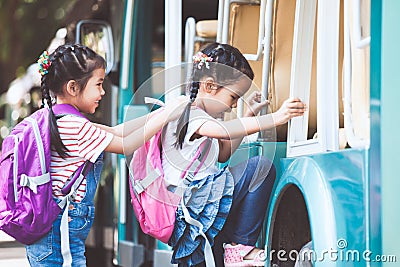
<point>127,45</point>
<point>173,47</point>
<point>301,66</point>
<point>327,76</point>
<point>353,140</point>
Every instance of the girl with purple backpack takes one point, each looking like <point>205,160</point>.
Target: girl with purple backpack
<point>229,204</point>
<point>72,78</point>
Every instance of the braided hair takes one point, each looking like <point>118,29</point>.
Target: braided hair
<point>68,62</point>
<point>225,55</point>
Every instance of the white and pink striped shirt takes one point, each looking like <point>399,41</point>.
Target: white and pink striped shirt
<point>84,141</point>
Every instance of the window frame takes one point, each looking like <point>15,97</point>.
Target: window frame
<point>327,13</point>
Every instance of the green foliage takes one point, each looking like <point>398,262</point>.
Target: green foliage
<point>26,27</point>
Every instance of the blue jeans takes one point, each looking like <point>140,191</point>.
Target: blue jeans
<point>254,180</point>
<point>47,251</point>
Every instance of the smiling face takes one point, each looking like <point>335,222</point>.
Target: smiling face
<point>218,100</point>
<point>89,98</point>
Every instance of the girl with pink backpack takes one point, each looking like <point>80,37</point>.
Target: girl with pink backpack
<point>72,78</point>
<point>226,207</point>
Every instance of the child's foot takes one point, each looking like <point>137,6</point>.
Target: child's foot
<point>242,255</point>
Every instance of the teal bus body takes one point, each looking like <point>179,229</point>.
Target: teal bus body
<point>334,190</point>
<point>385,123</point>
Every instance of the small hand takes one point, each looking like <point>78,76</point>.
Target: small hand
<point>175,107</point>
<point>255,104</point>
<point>292,107</point>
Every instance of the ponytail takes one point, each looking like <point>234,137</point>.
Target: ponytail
<point>183,121</point>
<point>55,139</point>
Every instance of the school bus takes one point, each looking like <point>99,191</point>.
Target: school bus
<point>335,195</point>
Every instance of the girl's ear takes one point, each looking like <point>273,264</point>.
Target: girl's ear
<point>72,88</point>
<point>209,85</point>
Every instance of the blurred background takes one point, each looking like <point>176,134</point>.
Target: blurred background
<point>27,28</point>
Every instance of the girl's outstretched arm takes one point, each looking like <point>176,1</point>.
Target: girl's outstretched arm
<point>125,128</point>
<point>151,125</point>
<point>254,104</point>
<point>238,128</point>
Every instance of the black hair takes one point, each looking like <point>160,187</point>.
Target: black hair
<point>225,55</point>
<point>68,62</point>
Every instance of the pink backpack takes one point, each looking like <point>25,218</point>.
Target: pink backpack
<point>153,204</point>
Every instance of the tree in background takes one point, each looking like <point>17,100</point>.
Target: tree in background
<point>27,26</point>
<point>26,29</point>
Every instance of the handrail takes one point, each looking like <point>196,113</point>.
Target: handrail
<point>190,32</point>
<point>264,35</point>
<point>352,139</point>
<point>225,28</point>
<point>260,44</point>
<point>267,48</point>
<point>220,20</point>
<point>359,41</point>
<point>261,26</point>
<point>266,135</point>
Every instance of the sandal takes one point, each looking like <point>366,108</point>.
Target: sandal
<point>234,256</point>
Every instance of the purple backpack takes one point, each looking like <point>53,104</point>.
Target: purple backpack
<point>27,207</point>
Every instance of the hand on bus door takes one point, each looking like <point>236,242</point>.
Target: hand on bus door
<point>292,107</point>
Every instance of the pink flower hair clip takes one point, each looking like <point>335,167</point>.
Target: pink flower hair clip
<point>202,59</point>
<point>44,63</point>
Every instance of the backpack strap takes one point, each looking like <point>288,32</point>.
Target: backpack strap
<point>197,161</point>
<point>208,254</point>
<point>140,185</point>
<point>70,190</point>
<point>34,181</point>
<point>31,182</point>
<point>77,178</point>
<point>15,168</point>
<point>188,176</point>
<point>66,109</point>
